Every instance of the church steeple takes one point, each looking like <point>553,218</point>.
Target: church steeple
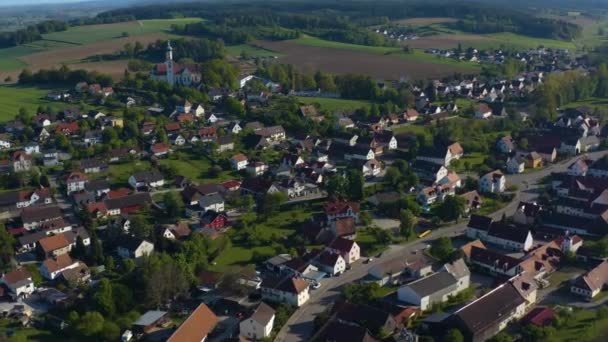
<point>169,56</point>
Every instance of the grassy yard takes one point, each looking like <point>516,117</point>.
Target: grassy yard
<point>272,234</point>
<point>196,169</point>
<point>27,334</point>
<point>12,98</point>
<point>594,102</point>
<point>411,128</point>
<point>474,160</point>
<point>584,326</point>
<point>564,274</point>
<point>491,205</point>
<point>119,173</point>
<point>333,105</point>
<point>368,242</point>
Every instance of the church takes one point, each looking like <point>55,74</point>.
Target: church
<point>176,73</point>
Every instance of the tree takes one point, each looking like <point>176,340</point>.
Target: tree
<point>406,227</point>
<point>362,293</point>
<point>501,337</point>
<point>90,324</point>
<point>140,227</point>
<point>453,335</point>
<point>174,205</point>
<point>270,203</point>
<point>103,298</point>
<point>355,184</point>
<point>79,251</point>
<point>7,243</point>
<point>234,106</point>
<point>442,248</point>
<point>451,208</point>
<point>337,185</point>
<point>96,250</point>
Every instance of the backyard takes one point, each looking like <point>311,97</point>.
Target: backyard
<point>332,105</point>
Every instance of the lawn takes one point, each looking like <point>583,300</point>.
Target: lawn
<point>272,234</point>
<point>411,128</point>
<point>474,161</point>
<point>368,242</point>
<point>27,334</point>
<point>564,274</point>
<point>593,102</point>
<point>119,173</point>
<point>334,105</point>
<point>12,98</point>
<point>583,326</point>
<point>490,205</point>
<point>196,168</point>
<point>94,33</point>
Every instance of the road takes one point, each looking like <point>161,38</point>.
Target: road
<point>300,326</point>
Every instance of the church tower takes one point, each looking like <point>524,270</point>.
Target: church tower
<point>169,63</point>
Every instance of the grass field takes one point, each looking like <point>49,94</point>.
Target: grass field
<point>196,169</point>
<point>12,98</point>
<point>251,50</point>
<point>520,41</point>
<point>583,326</point>
<point>333,105</point>
<point>594,102</point>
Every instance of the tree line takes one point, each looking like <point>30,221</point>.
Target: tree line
<point>31,33</point>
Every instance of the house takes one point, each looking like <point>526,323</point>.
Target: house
<point>256,168</point>
<point>31,148</point>
<point>358,152</point>
<point>492,312</point>
<point>192,194</point>
<point>149,179</point>
<point>148,321</point>
<point>369,168</point>
<point>19,283</point>
<point>516,165</point>
<point>472,201</point>
<point>33,217</point>
<point>344,227</point>
<point>331,263</point>
<point>11,200</point>
<point>175,73</point>
<point>92,165</point>
<point>177,231</point>
<point>239,161</point>
<point>579,167</point>
<point>52,268</point>
<point>160,149</point>
<point>213,220</point>
<point>54,245</point>
<point>126,204</point>
<point>5,142</point>
<point>441,156</point>
<point>437,287</point>
<point>98,187</point>
<point>591,283</point>
<point>290,290</point>
<point>539,316</point>
<point>339,209</point>
<point>213,202</point>
<point>259,325</point>
<point>234,127</point>
<point>197,326</point>
<point>411,115</point>
<point>272,134</point>
<point>534,160</point>
<point>21,161</point>
<point>134,248</point>
<point>494,263</point>
<point>506,144</point>
<point>75,182</point>
<point>345,332</point>
<point>482,111</point>
<point>493,182</point>
<point>224,143</point>
<point>527,213</point>
<point>366,316</point>
<point>509,237</point>
<point>429,171</point>
<point>388,272</point>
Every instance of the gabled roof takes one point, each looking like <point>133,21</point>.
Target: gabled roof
<point>263,314</point>
<point>53,242</point>
<point>341,332</point>
<point>480,222</point>
<point>342,245</point>
<point>17,276</point>
<point>510,233</point>
<point>37,214</point>
<point>487,257</point>
<point>57,263</point>
<point>196,327</point>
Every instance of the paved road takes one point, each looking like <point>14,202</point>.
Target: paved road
<point>300,327</point>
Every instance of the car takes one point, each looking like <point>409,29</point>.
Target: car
<point>369,260</point>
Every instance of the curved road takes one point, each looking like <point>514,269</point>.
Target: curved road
<point>300,326</point>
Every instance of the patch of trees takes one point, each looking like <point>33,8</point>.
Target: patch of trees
<point>521,23</point>
<point>63,75</point>
<point>198,50</point>
<point>31,33</point>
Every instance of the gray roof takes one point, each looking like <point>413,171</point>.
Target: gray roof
<point>457,268</point>
<point>210,200</point>
<point>150,317</point>
<point>436,282</point>
<point>263,314</point>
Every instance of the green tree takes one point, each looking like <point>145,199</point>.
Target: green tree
<point>174,205</point>
<point>406,226</point>
<point>103,298</point>
<point>270,203</point>
<point>451,208</point>
<point>79,251</point>
<point>501,337</point>
<point>355,183</point>
<point>90,324</point>
<point>7,248</point>
<point>337,185</point>
<point>442,248</point>
<point>453,335</point>
<point>140,227</point>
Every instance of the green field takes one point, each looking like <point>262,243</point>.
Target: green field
<point>251,50</point>
<point>195,169</point>
<point>93,33</point>
<point>520,41</point>
<point>598,103</point>
<point>12,98</point>
<point>333,105</point>
<point>415,55</point>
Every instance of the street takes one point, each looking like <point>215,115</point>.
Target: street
<point>300,325</point>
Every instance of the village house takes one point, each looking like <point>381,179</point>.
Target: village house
<point>52,267</point>
<point>506,144</point>
<point>259,325</point>
<point>19,283</point>
<point>21,161</point>
<point>75,182</point>
<point>348,249</point>
<point>147,179</point>
<point>340,209</point>
<point>365,316</point>
<point>160,149</point>
<point>290,290</point>
<point>213,220</point>
<point>388,272</point>
<point>441,156</point>
<point>516,164</point>
<point>591,283</point>
<point>176,73</point>
<point>10,200</point>
<point>527,213</point>
<point>134,248</point>
<point>126,204</point>
<point>239,161</point>
<point>482,111</point>
<point>197,326</point>
<point>54,245</point>
<point>331,263</point>
<point>33,217</point>
<point>493,182</point>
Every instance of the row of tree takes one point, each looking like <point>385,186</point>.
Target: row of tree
<point>31,33</point>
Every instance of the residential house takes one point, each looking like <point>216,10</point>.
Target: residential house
<point>579,167</point>
<point>239,161</point>
<point>196,327</point>
<point>192,194</point>
<point>591,283</point>
<point>345,332</point>
<point>365,316</point>
<point>442,156</point>
<point>21,161</point>
<point>259,325</point>
<point>213,202</point>
<point>213,220</point>
<point>126,204</point>
<point>19,283</point>
<point>437,287</point>
<point>134,248</point>
<point>224,143</point>
<point>92,165</point>
<point>177,231</point>
<point>32,148</point>
<point>472,201</point>
<point>348,249</point>
<point>339,209</point>
<point>494,263</point>
<point>290,290</point>
<point>149,179</point>
<point>160,149</point>
<point>429,171</point>
<point>482,111</point>
<point>256,168</point>
<point>527,213</point>
<point>5,142</point>
<point>33,217</point>
<point>516,164</point>
<point>234,127</point>
<point>331,263</point>
<point>388,272</point>
<point>506,144</point>
<point>54,245</point>
<point>493,182</point>
<point>52,267</point>
<point>11,200</point>
<point>534,160</point>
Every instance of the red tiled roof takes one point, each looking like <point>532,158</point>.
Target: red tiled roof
<point>196,327</point>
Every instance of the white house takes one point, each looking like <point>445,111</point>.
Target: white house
<point>52,268</point>
<point>257,168</point>
<point>290,290</point>
<point>239,162</point>
<point>482,111</point>
<point>259,325</point>
<point>348,249</point>
<point>331,263</point>
<point>75,182</point>
<point>5,142</point>
<point>32,148</point>
<point>148,178</point>
<point>214,202</point>
<point>19,282</point>
<point>492,182</point>
<point>175,73</point>
<point>516,164</point>
<point>135,248</point>
<point>437,287</point>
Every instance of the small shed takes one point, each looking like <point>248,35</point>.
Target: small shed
<point>148,321</point>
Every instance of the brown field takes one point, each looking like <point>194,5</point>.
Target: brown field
<point>340,61</point>
<point>445,40</point>
<point>424,21</point>
<point>52,58</point>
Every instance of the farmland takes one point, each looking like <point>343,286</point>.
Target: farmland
<point>12,98</point>
<point>311,54</point>
<point>80,42</point>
